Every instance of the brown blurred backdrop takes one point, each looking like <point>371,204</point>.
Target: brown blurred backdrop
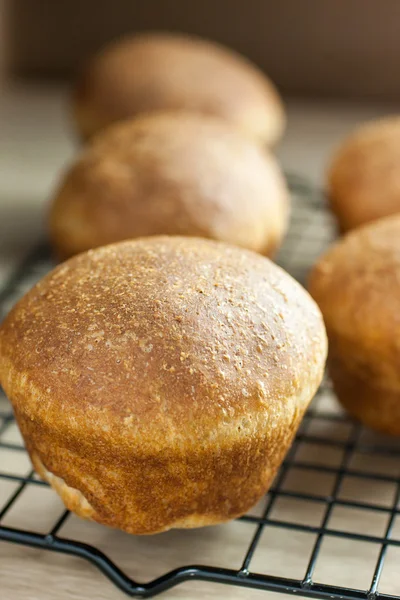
<point>338,48</point>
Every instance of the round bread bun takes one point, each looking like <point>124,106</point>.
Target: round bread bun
<point>161,71</point>
<point>170,173</point>
<point>364,178</point>
<point>357,287</point>
<point>159,383</point>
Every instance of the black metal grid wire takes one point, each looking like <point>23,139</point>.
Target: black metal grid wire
<point>309,234</point>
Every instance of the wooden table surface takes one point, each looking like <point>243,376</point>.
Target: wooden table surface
<point>35,143</point>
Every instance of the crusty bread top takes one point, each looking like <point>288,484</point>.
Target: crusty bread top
<point>364,177</point>
<point>357,286</point>
<point>156,71</point>
<point>175,173</point>
<point>162,342</point>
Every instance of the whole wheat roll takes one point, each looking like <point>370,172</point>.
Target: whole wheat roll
<point>159,383</point>
<point>173,173</point>
<point>164,71</point>
<point>364,176</point>
<point>357,287</point>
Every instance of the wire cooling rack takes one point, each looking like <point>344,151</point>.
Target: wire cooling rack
<point>334,503</point>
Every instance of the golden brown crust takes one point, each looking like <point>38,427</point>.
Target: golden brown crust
<point>364,178</point>
<point>170,173</point>
<point>158,71</point>
<point>357,286</point>
<point>73,499</point>
<point>163,379</point>
<point>369,400</point>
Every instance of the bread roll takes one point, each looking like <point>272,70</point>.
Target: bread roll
<point>364,178</point>
<point>170,173</point>
<point>162,71</point>
<point>357,287</point>
<point>158,383</point>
